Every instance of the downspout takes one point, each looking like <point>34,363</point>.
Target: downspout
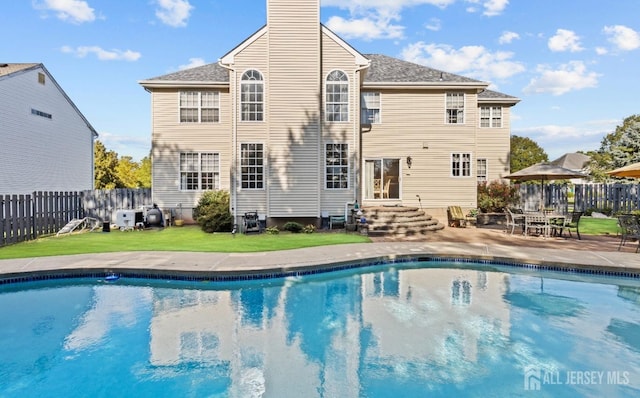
<point>234,141</point>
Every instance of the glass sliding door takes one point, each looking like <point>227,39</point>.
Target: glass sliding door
<point>382,179</point>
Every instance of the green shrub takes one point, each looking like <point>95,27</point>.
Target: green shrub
<point>212,212</point>
<point>496,195</point>
<point>309,229</point>
<point>272,231</point>
<point>292,226</point>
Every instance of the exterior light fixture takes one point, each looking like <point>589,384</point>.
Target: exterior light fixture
<point>409,161</point>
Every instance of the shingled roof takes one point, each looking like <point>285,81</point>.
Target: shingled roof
<point>210,73</point>
<point>385,69</point>
<point>7,69</point>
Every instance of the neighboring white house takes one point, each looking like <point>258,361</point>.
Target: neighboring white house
<point>296,123</point>
<point>46,144</point>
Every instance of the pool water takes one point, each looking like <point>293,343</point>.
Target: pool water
<point>419,329</point>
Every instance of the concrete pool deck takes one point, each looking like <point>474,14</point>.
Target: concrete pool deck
<point>592,253</point>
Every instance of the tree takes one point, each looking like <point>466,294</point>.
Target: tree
<point>105,164</point>
<point>127,172</point>
<point>144,172</point>
<point>525,152</point>
<point>617,149</point>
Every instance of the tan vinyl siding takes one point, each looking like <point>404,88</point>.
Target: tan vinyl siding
<point>294,69</point>
<point>170,137</point>
<point>412,120</point>
<point>254,56</point>
<point>494,144</point>
<point>336,57</point>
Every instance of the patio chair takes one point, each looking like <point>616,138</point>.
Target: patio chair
<point>630,229</point>
<point>571,221</point>
<point>515,218</point>
<point>538,222</point>
<point>456,217</point>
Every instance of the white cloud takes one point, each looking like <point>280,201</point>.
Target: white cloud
<point>473,61</point>
<point>174,12</point>
<point>103,55</point>
<point>74,11</point>
<point>434,24</point>
<point>507,37</point>
<point>494,7</point>
<point>365,28</point>
<point>624,38</point>
<point>601,51</point>
<point>193,62</point>
<point>565,40</point>
<point>491,7</point>
<point>568,77</point>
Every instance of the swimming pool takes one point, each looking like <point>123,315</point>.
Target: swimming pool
<point>410,329</point>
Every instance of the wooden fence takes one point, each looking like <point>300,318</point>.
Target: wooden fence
<point>26,217</point>
<point>606,198</point>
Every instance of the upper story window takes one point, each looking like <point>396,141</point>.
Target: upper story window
<point>491,116</point>
<point>199,107</point>
<point>337,166</point>
<point>455,108</point>
<point>41,78</point>
<point>252,96</point>
<point>337,97</point>
<point>40,113</point>
<point>461,164</point>
<point>370,108</point>
<point>199,171</point>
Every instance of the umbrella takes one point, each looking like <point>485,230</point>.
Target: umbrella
<point>544,172</point>
<point>630,170</point>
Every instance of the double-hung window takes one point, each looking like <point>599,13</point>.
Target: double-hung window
<point>455,108</point>
<point>336,166</point>
<point>252,166</point>
<point>337,97</point>
<point>199,171</point>
<point>370,108</point>
<point>461,164</point>
<point>491,116</point>
<point>199,107</point>
<point>252,96</point>
<point>481,170</point>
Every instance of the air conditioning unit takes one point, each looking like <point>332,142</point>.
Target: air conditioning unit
<point>129,219</point>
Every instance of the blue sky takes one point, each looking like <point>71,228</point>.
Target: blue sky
<point>575,64</point>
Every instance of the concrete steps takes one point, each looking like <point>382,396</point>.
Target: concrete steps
<point>400,221</point>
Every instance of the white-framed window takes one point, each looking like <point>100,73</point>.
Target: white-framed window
<point>252,166</point>
<point>199,171</point>
<point>455,108</point>
<point>370,108</point>
<point>481,169</point>
<point>336,166</point>
<point>461,164</point>
<point>252,96</point>
<point>491,116</point>
<point>337,97</point>
<point>199,106</point>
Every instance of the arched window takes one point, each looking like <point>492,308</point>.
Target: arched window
<point>252,96</point>
<point>337,97</point>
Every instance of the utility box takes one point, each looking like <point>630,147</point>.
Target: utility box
<point>129,219</point>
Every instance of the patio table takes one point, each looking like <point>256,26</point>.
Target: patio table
<point>541,222</point>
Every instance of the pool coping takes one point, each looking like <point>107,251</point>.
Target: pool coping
<point>298,262</point>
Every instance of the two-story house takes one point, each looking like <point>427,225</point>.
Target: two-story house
<point>46,142</point>
<point>296,123</point>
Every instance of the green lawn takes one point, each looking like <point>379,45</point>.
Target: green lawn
<point>188,238</point>
<point>599,226</point>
